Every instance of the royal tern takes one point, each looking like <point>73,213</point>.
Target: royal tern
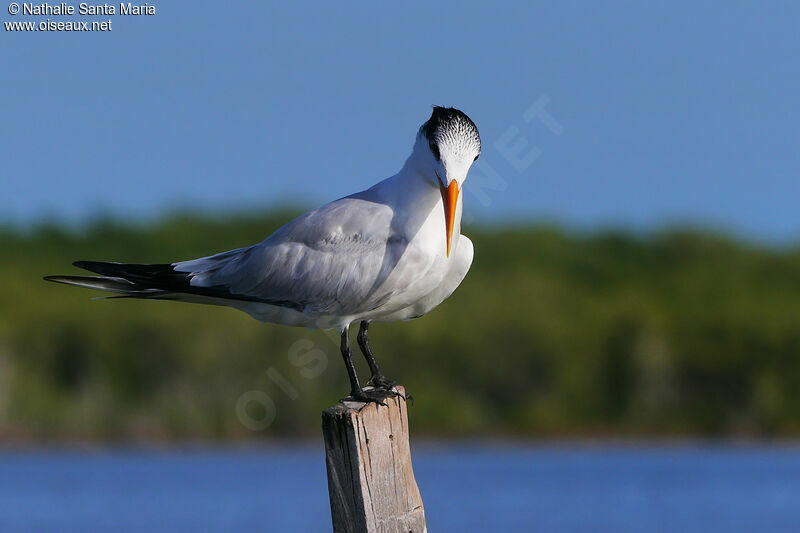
<point>392,252</point>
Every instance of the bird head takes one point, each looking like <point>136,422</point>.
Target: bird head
<point>447,145</point>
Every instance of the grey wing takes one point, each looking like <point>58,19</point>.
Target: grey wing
<point>334,260</point>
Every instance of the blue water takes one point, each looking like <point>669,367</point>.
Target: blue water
<point>555,488</point>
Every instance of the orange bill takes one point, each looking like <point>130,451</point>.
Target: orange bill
<point>450,199</point>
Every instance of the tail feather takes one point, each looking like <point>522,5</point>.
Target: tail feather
<point>155,276</point>
<point>127,279</point>
<point>156,281</point>
<point>102,283</point>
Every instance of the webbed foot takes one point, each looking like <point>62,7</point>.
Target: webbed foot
<point>379,381</point>
<point>371,396</point>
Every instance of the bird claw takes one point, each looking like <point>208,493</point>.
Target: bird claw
<point>380,382</point>
<point>371,396</point>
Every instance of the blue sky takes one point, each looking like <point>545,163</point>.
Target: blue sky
<point>666,113</point>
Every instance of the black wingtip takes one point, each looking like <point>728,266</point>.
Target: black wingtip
<point>105,268</point>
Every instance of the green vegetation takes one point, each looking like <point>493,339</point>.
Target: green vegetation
<point>552,334</point>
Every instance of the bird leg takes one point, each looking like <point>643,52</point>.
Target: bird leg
<point>356,392</point>
<point>378,380</point>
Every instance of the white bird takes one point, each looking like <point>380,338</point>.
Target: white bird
<point>392,252</point>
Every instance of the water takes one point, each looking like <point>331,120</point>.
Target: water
<point>560,488</point>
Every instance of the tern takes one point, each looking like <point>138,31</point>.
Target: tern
<point>391,252</point>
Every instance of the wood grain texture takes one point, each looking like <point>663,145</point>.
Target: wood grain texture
<point>370,477</point>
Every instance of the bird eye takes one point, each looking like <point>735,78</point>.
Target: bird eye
<point>434,149</point>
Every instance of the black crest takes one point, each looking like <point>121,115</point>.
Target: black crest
<point>448,125</point>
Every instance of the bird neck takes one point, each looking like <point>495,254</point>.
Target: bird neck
<point>415,199</point>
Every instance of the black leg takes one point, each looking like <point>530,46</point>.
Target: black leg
<point>355,386</point>
<point>378,380</point>
<point>356,392</point>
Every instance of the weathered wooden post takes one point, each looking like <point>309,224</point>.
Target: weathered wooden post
<point>370,478</point>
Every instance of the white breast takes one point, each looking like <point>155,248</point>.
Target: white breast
<point>457,269</point>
